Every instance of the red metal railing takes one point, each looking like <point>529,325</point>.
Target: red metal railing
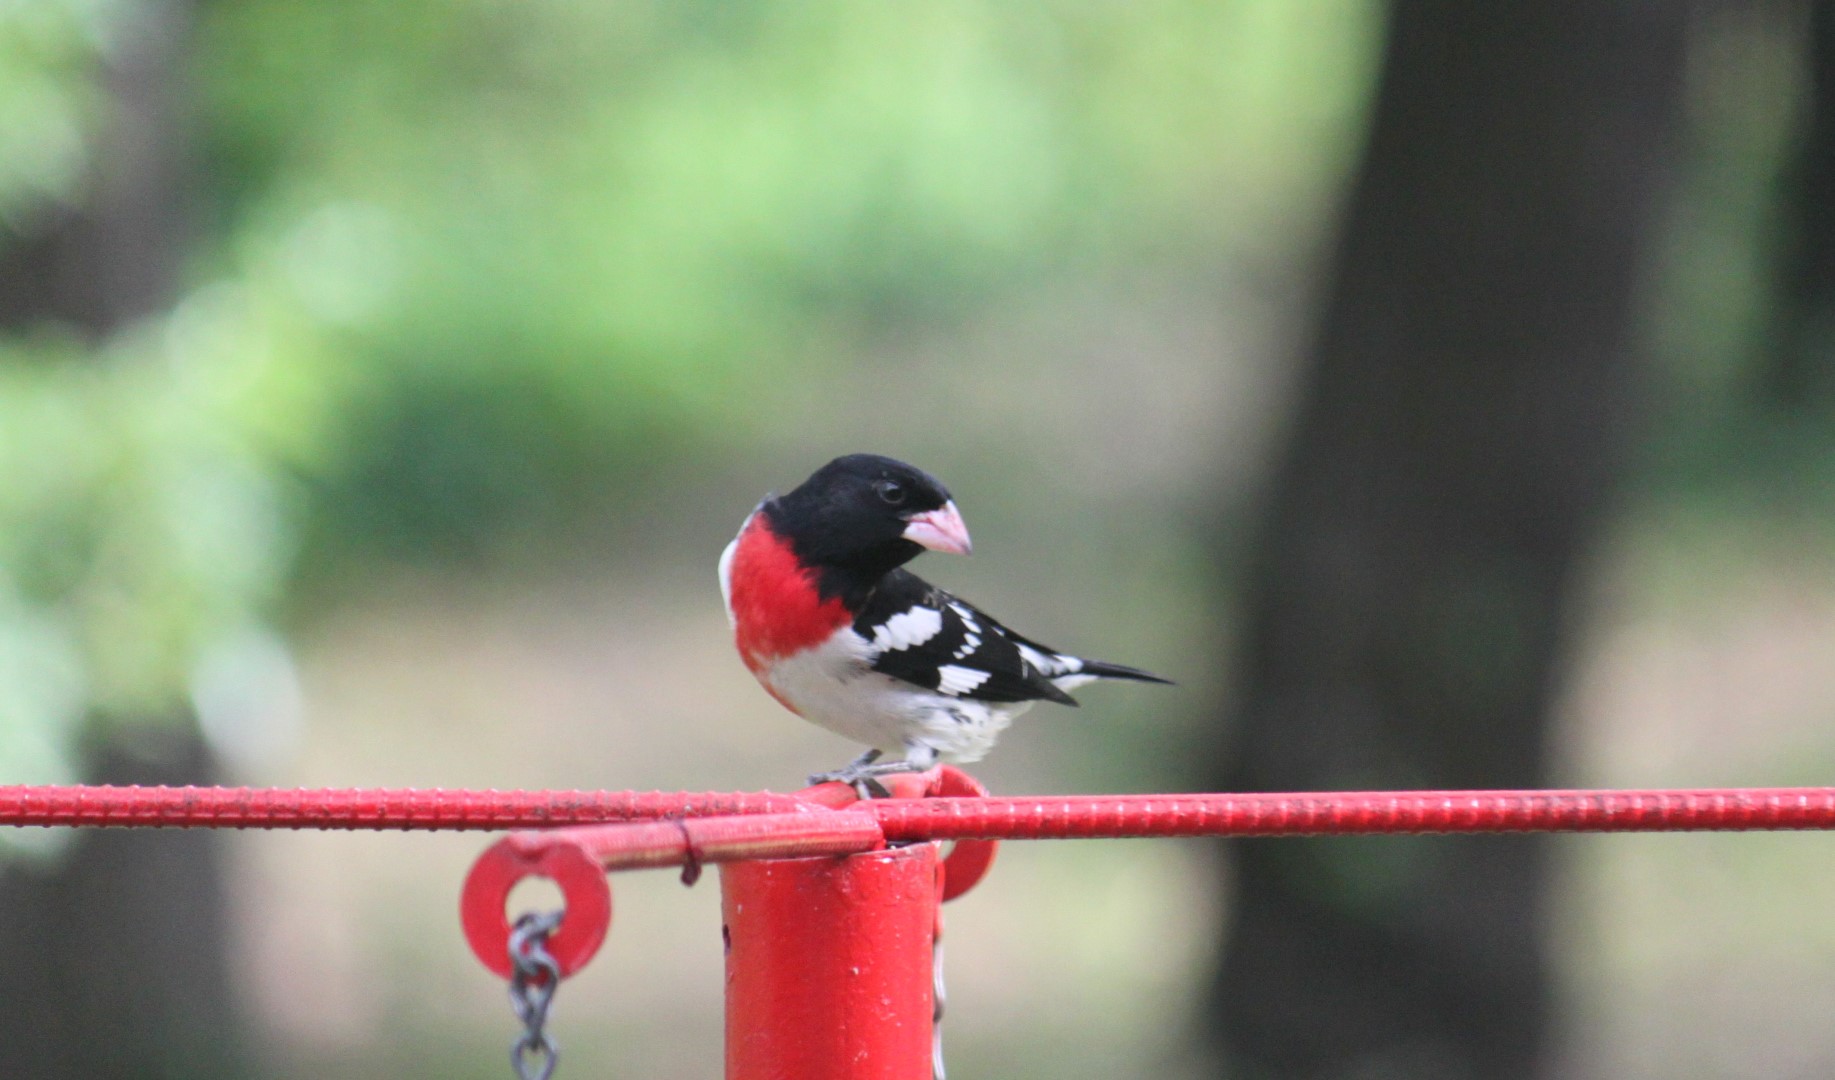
<point>831,905</point>
<point>997,818</point>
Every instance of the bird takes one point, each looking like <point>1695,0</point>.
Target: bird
<point>833,626</point>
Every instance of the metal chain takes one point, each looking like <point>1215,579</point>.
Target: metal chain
<point>534,976</point>
<point>937,1071</point>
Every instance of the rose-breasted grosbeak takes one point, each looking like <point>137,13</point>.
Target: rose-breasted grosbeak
<point>837,632</point>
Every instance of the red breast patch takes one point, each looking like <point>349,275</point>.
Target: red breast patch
<point>776,609</point>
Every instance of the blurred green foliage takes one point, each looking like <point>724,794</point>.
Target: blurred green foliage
<point>472,266</point>
<point>577,239</point>
<point>48,104</point>
<point>141,522</point>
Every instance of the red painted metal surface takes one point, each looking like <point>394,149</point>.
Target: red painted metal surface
<point>680,842</point>
<point>558,854</point>
<point>577,859</point>
<point>828,966</point>
<point>586,893</point>
<point>831,928</point>
<point>363,808</point>
<point>969,860</point>
<point>939,806</point>
<point>1007,818</point>
<point>1351,813</point>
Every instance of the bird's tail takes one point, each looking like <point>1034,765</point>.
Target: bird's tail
<point>1102,669</point>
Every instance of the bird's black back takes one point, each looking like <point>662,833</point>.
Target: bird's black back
<point>967,639</point>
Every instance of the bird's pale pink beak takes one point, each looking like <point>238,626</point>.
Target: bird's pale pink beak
<point>940,530</point>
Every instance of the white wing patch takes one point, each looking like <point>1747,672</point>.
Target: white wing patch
<point>954,679</point>
<point>971,631</point>
<point>908,629</point>
<point>1051,665</point>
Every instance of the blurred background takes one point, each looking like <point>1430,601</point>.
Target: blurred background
<point>1443,394</point>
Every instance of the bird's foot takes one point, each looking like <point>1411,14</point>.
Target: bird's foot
<point>862,774</point>
<point>851,772</point>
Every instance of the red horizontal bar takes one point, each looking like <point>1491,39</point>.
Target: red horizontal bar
<point>709,840</point>
<point>364,808</point>
<point>1021,817</point>
<point>1342,813</point>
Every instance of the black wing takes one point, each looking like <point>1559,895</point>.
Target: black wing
<point>931,639</point>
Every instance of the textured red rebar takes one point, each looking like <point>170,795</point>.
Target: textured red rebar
<point>1022,817</point>
<point>1340,813</point>
<point>364,808</point>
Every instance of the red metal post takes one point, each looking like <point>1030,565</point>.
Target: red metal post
<point>828,965</point>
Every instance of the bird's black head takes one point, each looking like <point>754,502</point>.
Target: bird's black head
<point>866,515</point>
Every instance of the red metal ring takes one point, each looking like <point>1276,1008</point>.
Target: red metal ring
<point>970,860</point>
<point>583,886</point>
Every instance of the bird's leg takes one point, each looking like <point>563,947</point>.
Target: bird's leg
<point>862,774</point>
<point>851,774</point>
<point>918,758</point>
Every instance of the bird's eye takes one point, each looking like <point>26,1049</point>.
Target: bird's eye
<point>891,492</point>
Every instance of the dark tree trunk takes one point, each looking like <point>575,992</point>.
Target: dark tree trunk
<point>1800,374</point>
<point>1470,397</point>
<point>112,961</point>
<point>115,257</point>
<point>112,956</point>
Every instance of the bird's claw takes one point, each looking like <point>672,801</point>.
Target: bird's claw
<point>865,785</point>
<point>863,775</point>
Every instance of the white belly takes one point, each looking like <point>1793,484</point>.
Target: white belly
<point>833,687</point>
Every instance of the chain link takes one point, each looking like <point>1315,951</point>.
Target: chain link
<point>533,979</point>
<point>937,1072</point>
